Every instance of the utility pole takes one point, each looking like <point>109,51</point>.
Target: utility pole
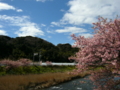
<point>34,54</point>
<point>39,56</point>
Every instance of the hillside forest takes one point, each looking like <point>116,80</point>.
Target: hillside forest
<point>27,47</point>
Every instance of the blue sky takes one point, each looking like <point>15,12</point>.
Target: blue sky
<point>54,20</point>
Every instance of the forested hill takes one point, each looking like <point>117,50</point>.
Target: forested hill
<point>25,47</point>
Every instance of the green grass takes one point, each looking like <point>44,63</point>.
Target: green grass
<point>34,70</point>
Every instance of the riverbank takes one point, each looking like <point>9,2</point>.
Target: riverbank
<point>34,81</point>
<point>33,77</point>
<point>50,76</point>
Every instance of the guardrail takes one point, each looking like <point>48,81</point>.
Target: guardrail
<point>59,64</point>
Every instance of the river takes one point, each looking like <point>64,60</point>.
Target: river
<point>77,84</point>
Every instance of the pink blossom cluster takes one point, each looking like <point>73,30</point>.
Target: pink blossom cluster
<point>40,62</point>
<point>101,49</point>
<point>48,62</point>
<point>11,63</point>
<point>25,61</point>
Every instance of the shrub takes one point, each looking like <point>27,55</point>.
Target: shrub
<point>13,64</point>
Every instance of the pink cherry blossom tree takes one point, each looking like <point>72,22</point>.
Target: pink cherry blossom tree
<point>13,64</point>
<point>101,49</point>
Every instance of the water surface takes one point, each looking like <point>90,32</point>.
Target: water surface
<point>77,84</point>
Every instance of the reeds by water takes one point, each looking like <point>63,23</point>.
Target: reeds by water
<point>33,81</point>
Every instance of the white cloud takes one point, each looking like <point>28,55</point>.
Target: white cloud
<point>82,11</point>
<point>29,31</point>
<point>62,10</point>
<point>55,24</point>
<point>43,25</point>
<point>86,35</point>
<point>71,30</point>
<point>19,10</point>
<point>26,27</point>
<point>2,32</point>
<point>5,6</point>
<point>75,30</point>
<point>43,0</point>
<point>50,31</point>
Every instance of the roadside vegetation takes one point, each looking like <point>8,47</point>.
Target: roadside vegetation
<point>34,81</point>
<point>38,77</point>
<point>34,77</point>
<point>23,70</point>
<point>21,75</point>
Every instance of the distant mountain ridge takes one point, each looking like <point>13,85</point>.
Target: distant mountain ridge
<point>25,47</point>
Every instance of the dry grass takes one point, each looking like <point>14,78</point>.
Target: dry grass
<point>37,81</point>
<point>25,82</point>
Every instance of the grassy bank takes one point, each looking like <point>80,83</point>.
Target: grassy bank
<point>23,70</point>
<point>24,78</point>
<point>35,79</point>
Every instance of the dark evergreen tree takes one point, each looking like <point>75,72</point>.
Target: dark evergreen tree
<point>25,47</point>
